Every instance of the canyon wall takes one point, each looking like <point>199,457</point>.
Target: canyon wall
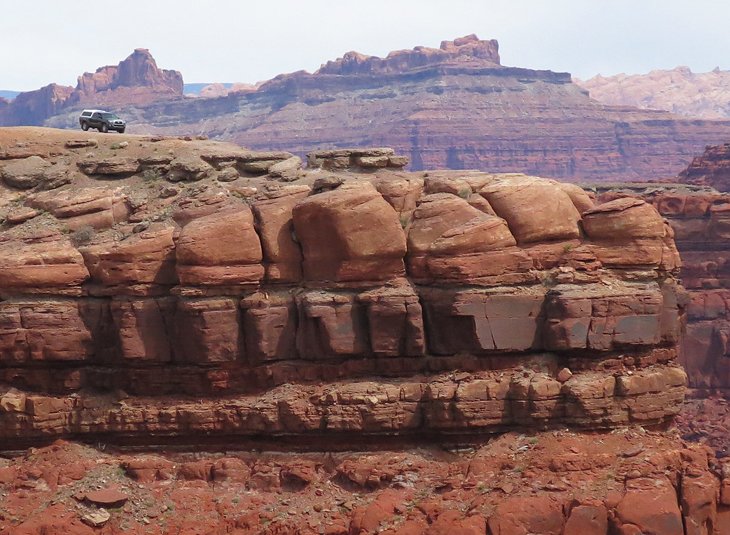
<point>230,292</point>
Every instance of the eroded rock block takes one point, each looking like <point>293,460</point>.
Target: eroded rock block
<point>270,326</point>
<point>450,240</point>
<point>114,166</point>
<point>349,234</point>
<point>281,253</point>
<point>362,158</point>
<point>603,318</point>
<point>24,173</point>
<point>626,232</point>
<point>220,249</point>
<point>188,168</point>
<point>56,265</point>
<point>43,331</point>
<point>395,322</point>
<point>535,209</point>
<point>331,325</point>
<point>85,207</point>
<point>144,328</point>
<point>656,511</point>
<point>479,321</point>
<point>144,259</point>
<point>207,330</point>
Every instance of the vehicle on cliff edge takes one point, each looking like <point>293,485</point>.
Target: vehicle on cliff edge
<point>102,120</point>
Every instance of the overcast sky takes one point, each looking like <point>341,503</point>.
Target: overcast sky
<point>46,41</point>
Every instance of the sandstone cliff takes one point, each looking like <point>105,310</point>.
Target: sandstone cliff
<point>183,291</point>
<point>135,81</point>
<point>293,290</point>
<point>681,91</point>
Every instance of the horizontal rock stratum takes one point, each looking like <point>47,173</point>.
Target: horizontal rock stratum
<point>172,287</point>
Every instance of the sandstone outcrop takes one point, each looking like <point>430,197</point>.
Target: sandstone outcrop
<point>344,309</point>
<point>353,299</point>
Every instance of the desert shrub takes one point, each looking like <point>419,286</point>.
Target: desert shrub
<point>464,193</point>
<point>151,174</point>
<point>82,236</point>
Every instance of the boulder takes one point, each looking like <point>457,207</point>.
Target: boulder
<point>220,249</point>
<point>24,173</point>
<point>281,253</point>
<point>451,240</point>
<point>349,234</point>
<point>115,166</point>
<point>535,209</point>
<point>286,169</point>
<point>188,168</point>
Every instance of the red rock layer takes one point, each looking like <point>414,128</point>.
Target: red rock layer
<point>173,288</point>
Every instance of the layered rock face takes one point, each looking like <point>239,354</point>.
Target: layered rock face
<point>134,81</point>
<point>699,221</point>
<point>173,288</point>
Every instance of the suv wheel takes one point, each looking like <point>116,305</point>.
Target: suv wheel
<point>104,128</point>
<point>121,131</point>
<point>84,127</point>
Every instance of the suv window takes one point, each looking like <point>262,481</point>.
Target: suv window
<point>109,116</point>
<point>95,116</point>
<point>86,114</point>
